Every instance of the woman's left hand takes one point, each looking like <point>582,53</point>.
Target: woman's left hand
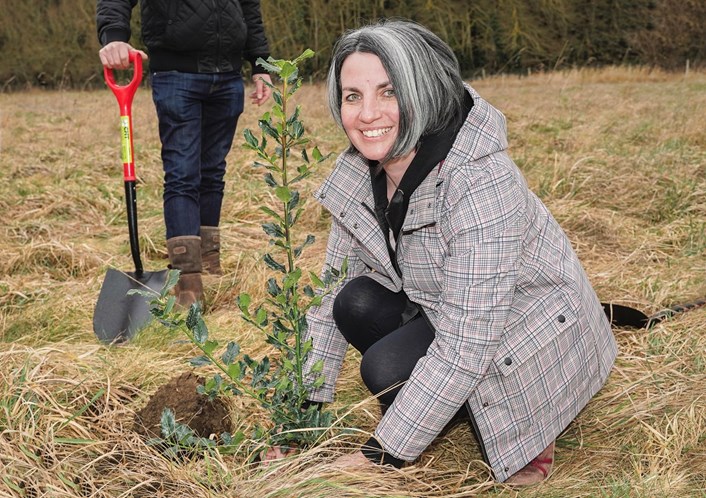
<point>352,460</point>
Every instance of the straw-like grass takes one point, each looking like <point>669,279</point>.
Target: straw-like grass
<point>619,156</point>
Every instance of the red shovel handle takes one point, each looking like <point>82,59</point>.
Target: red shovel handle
<point>125,94</point>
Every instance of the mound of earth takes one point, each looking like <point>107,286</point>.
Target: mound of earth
<point>204,417</point>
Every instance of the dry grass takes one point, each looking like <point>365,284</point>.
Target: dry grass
<point>619,155</point>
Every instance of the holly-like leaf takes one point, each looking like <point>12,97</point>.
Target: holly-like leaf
<point>231,353</point>
<point>283,194</point>
<point>200,361</point>
<point>210,346</point>
<point>270,261</point>
<point>243,302</point>
<point>268,65</point>
<point>273,289</point>
<point>273,230</point>
<point>235,371</point>
<point>270,180</point>
<point>267,128</point>
<point>250,139</point>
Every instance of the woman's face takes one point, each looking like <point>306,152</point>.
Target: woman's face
<point>369,108</point>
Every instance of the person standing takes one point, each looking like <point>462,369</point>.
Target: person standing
<point>196,50</point>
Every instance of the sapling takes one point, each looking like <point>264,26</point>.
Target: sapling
<point>279,384</point>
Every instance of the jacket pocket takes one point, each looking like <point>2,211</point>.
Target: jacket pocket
<point>532,328</point>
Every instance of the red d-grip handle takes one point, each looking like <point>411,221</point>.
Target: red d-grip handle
<point>125,94</point>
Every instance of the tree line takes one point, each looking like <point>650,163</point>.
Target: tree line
<point>52,43</point>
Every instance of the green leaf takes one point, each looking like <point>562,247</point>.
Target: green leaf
<point>261,317</point>
<point>195,323</point>
<point>231,352</point>
<point>271,213</point>
<point>283,194</point>
<point>235,371</point>
<point>277,97</point>
<point>277,112</point>
<point>295,115</point>
<point>273,289</point>
<point>200,361</point>
<point>316,155</point>
<point>267,128</point>
<point>267,65</point>
<point>318,367</point>
<point>294,201</point>
<point>169,306</point>
<point>243,302</point>
<point>275,265</point>
<point>210,346</point>
<point>288,70</point>
<point>250,138</point>
<point>307,54</point>
<point>310,239</point>
<point>273,230</point>
<point>270,180</point>
<point>316,280</point>
<point>297,130</point>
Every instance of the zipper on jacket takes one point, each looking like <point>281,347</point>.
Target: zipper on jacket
<point>471,417</point>
<point>218,35</point>
<point>474,426</point>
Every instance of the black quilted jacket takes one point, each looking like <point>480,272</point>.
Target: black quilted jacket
<point>195,36</point>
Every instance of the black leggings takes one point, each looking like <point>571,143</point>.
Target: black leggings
<point>370,318</point>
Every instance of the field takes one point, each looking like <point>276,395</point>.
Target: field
<point>618,155</point>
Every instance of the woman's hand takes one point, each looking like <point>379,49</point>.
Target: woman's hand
<point>352,460</point>
<point>276,453</point>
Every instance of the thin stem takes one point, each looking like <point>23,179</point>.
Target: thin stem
<point>215,361</point>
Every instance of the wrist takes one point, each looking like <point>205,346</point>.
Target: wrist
<point>373,451</point>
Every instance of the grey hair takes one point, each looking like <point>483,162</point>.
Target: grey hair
<point>423,71</point>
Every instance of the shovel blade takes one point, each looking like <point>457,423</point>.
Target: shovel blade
<point>119,316</point>
<point>624,316</point>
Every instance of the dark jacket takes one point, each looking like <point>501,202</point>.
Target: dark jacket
<point>194,36</point>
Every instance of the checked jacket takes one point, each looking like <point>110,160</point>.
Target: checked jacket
<point>520,336</point>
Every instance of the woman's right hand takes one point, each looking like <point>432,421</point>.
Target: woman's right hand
<point>276,453</point>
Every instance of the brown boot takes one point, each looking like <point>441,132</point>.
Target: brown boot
<point>185,255</point>
<point>536,471</point>
<point>211,250</point>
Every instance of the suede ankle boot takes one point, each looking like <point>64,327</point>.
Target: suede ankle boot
<point>211,250</point>
<point>185,255</point>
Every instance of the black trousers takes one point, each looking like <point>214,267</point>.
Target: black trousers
<point>374,320</point>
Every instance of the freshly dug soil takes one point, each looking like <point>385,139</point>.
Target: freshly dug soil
<point>204,417</point>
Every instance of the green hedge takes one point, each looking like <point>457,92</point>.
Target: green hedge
<point>53,43</point>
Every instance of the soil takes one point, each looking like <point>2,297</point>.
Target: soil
<point>204,417</point>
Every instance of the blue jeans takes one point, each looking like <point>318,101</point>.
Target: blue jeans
<point>197,114</point>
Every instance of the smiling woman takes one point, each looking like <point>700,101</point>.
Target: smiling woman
<point>463,294</point>
<point>369,110</point>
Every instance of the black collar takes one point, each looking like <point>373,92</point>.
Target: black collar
<point>431,151</point>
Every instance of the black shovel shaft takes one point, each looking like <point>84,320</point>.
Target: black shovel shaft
<point>131,202</point>
<point>625,316</point>
<point>678,308</point>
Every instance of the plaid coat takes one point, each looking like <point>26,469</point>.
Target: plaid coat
<point>520,335</point>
